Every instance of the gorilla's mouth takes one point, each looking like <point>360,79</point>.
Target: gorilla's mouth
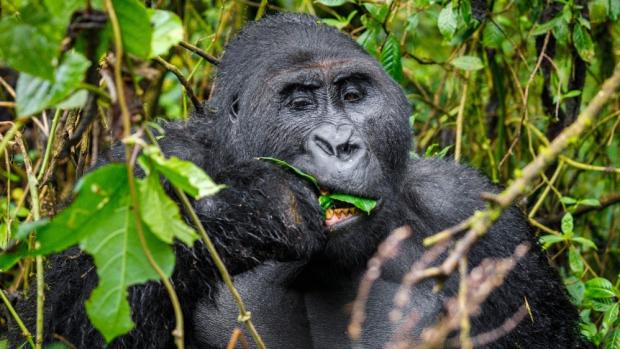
<point>342,210</point>
<point>334,217</point>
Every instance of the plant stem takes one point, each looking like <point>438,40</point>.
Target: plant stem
<point>50,143</point>
<point>261,10</point>
<point>17,319</point>
<point>10,134</point>
<point>459,122</point>
<point>178,332</point>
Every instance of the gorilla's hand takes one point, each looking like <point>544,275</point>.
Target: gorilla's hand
<point>265,213</point>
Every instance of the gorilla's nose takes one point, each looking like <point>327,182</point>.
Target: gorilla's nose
<point>331,142</point>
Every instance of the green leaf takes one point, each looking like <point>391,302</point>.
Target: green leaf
<point>135,26</point>
<point>613,340</point>
<point>583,43</point>
<point>98,196</point>
<point>378,12</point>
<point>585,242</point>
<point>614,9</point>
<point>575,288</point>
<point>390,58</point>
<point>610,316</point>
<point>34,94</point>
<point>120,263</point>
<point>292,168</point>
<point>28,227</point>
<point>446,22</point>
<point>567,223</point>
<point>325,202</point>
<point>467,63</point>
<point>548,240</point>
<point>76,100</point>
<point>364,204</point>
<point>567,200</point>
<point>340,22</point>
<point>543,28</point>
<point>590,202</point>
<point>574,261</point>
<point>599,288</point>
<point>332,3</point>
<point>184,175</point>
<point>161,214</point>
<point>25,48</point>
<point>167,31</point>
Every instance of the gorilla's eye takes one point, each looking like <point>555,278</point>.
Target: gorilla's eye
<point>300,103</point>
<point>300,99</point>
<point>351,94</point>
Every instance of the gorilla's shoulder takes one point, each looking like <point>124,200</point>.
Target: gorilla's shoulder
<point>441,181</point>
<point>443,193</point>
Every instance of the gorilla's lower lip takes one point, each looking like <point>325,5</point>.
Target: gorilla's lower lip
<point>343,223</point>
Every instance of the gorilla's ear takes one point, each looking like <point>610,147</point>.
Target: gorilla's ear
<point>234,108</point>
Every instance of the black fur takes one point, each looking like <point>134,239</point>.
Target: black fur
<point>274,90</point>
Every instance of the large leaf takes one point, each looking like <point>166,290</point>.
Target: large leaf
<point>333,3</point>
<point>390,58</point>
<point>167,31</point>
<point>161,214</point>
<point>35,94</point>
<point>101,220</point>
<point>121,263</point>
<point>135,26</point>
<point>98,197</point>
<point>25,48</point>
<point>184,175</point>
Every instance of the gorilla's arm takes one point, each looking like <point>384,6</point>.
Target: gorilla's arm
<point>443,194</point>
<point>265,213</point>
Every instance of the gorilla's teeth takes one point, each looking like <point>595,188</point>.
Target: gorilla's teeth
<point>329,213</point>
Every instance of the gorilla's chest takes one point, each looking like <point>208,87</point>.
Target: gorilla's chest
<point>287,317</point>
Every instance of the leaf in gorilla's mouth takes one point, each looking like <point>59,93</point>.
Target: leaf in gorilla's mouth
<point>336,207</point>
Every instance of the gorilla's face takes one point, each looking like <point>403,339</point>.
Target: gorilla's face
<point>319,102</point>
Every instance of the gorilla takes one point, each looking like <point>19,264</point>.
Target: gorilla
<point>291,88</point>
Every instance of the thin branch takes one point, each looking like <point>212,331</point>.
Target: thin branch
<point>387,250</point>
<point>207,57</point>
<point>587,167</point>
<point>188,87</point>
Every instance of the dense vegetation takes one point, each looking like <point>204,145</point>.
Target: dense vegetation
<point>492,84</point>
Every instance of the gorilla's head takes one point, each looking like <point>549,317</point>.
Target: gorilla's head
<point>291,88</point>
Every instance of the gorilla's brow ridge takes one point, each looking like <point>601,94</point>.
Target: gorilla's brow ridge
<point>350,67</point>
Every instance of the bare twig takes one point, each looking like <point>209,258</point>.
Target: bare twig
<point>387,250</point>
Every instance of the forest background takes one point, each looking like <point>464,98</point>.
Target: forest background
<point>492,83</point>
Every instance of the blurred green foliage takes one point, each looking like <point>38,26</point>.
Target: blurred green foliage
<point>513,74</point>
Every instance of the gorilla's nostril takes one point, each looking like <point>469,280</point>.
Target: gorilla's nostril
<point>324,145</point>
<point>346,149</point>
